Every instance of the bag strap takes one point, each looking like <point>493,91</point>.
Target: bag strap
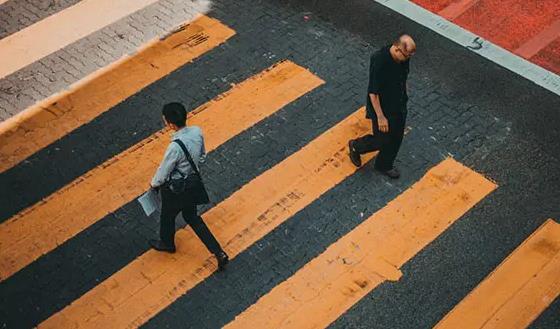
<point>188,155</point>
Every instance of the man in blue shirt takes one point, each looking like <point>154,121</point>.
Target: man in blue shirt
<point>174,164</point>
<point>386,105</point>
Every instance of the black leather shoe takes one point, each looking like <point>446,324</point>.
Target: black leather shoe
<point>354,155</point>
<point>391,173</point>
<point>223,259</point>
<point>160,246</point>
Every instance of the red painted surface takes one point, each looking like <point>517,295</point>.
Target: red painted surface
<point>433,5</point>
<point>509,24</point>
<point>456,9</point>
<point>549,57</point>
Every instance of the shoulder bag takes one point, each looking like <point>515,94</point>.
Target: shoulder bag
<point>191,185</point>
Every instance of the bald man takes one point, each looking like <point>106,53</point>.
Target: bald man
<point>386,106</point>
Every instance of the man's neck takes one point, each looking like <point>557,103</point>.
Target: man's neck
<point>180,128</point>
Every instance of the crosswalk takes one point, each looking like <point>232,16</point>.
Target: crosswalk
<point>42,227</point>
<point>49,120</point>
<point>370,254</point>
<point>238,222</point>
<point>518,290</point>
<point>512,296</point>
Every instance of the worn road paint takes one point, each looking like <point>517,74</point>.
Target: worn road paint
<point>518,290</point>
<point>61,29</point>
<point>154,280</point>
<point>49,223</point>
<point>38,126</point>
<point>370,254</point>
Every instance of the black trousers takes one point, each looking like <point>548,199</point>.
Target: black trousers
<point>388,144</point>
<point>172,204</point>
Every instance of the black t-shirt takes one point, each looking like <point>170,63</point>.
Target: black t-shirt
<point>387,78</point>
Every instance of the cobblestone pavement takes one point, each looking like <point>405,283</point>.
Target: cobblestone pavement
<point>461,106</point>
<point>17,15</point>
<point>59,70</point>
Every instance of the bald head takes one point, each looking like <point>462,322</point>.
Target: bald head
<point>403,48</point>
<point>406,43</point>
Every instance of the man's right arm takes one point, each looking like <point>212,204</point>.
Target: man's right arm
<point>382,121</point>
<point>374,90</point>
<point>376,105</point>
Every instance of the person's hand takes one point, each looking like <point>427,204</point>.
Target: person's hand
<point>383,124</point>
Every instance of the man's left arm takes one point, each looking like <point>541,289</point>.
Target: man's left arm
<point>167,165</point>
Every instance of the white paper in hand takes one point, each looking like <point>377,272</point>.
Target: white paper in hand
<point>149,201</point>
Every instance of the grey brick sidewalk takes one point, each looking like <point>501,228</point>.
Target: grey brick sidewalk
<point>16,15</point>
<point>59,70</point>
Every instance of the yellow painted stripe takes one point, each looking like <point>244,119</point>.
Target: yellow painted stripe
<point>371,253</point>
<point>49,120</point>
<point>61,29</point>
<point>42,227</point>
<point>154,280</point>
<point>518,290</point>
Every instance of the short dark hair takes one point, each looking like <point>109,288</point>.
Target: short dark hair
<point>175,113</point>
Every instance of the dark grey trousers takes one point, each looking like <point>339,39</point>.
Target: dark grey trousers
<point>388,144</point>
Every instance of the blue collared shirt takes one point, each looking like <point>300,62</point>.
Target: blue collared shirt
<point>175,158</point>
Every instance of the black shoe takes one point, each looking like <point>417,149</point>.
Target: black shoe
<point>354,155</point>
<point>391,173</point>
<point>223,259</point>
<point>160,246</point>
